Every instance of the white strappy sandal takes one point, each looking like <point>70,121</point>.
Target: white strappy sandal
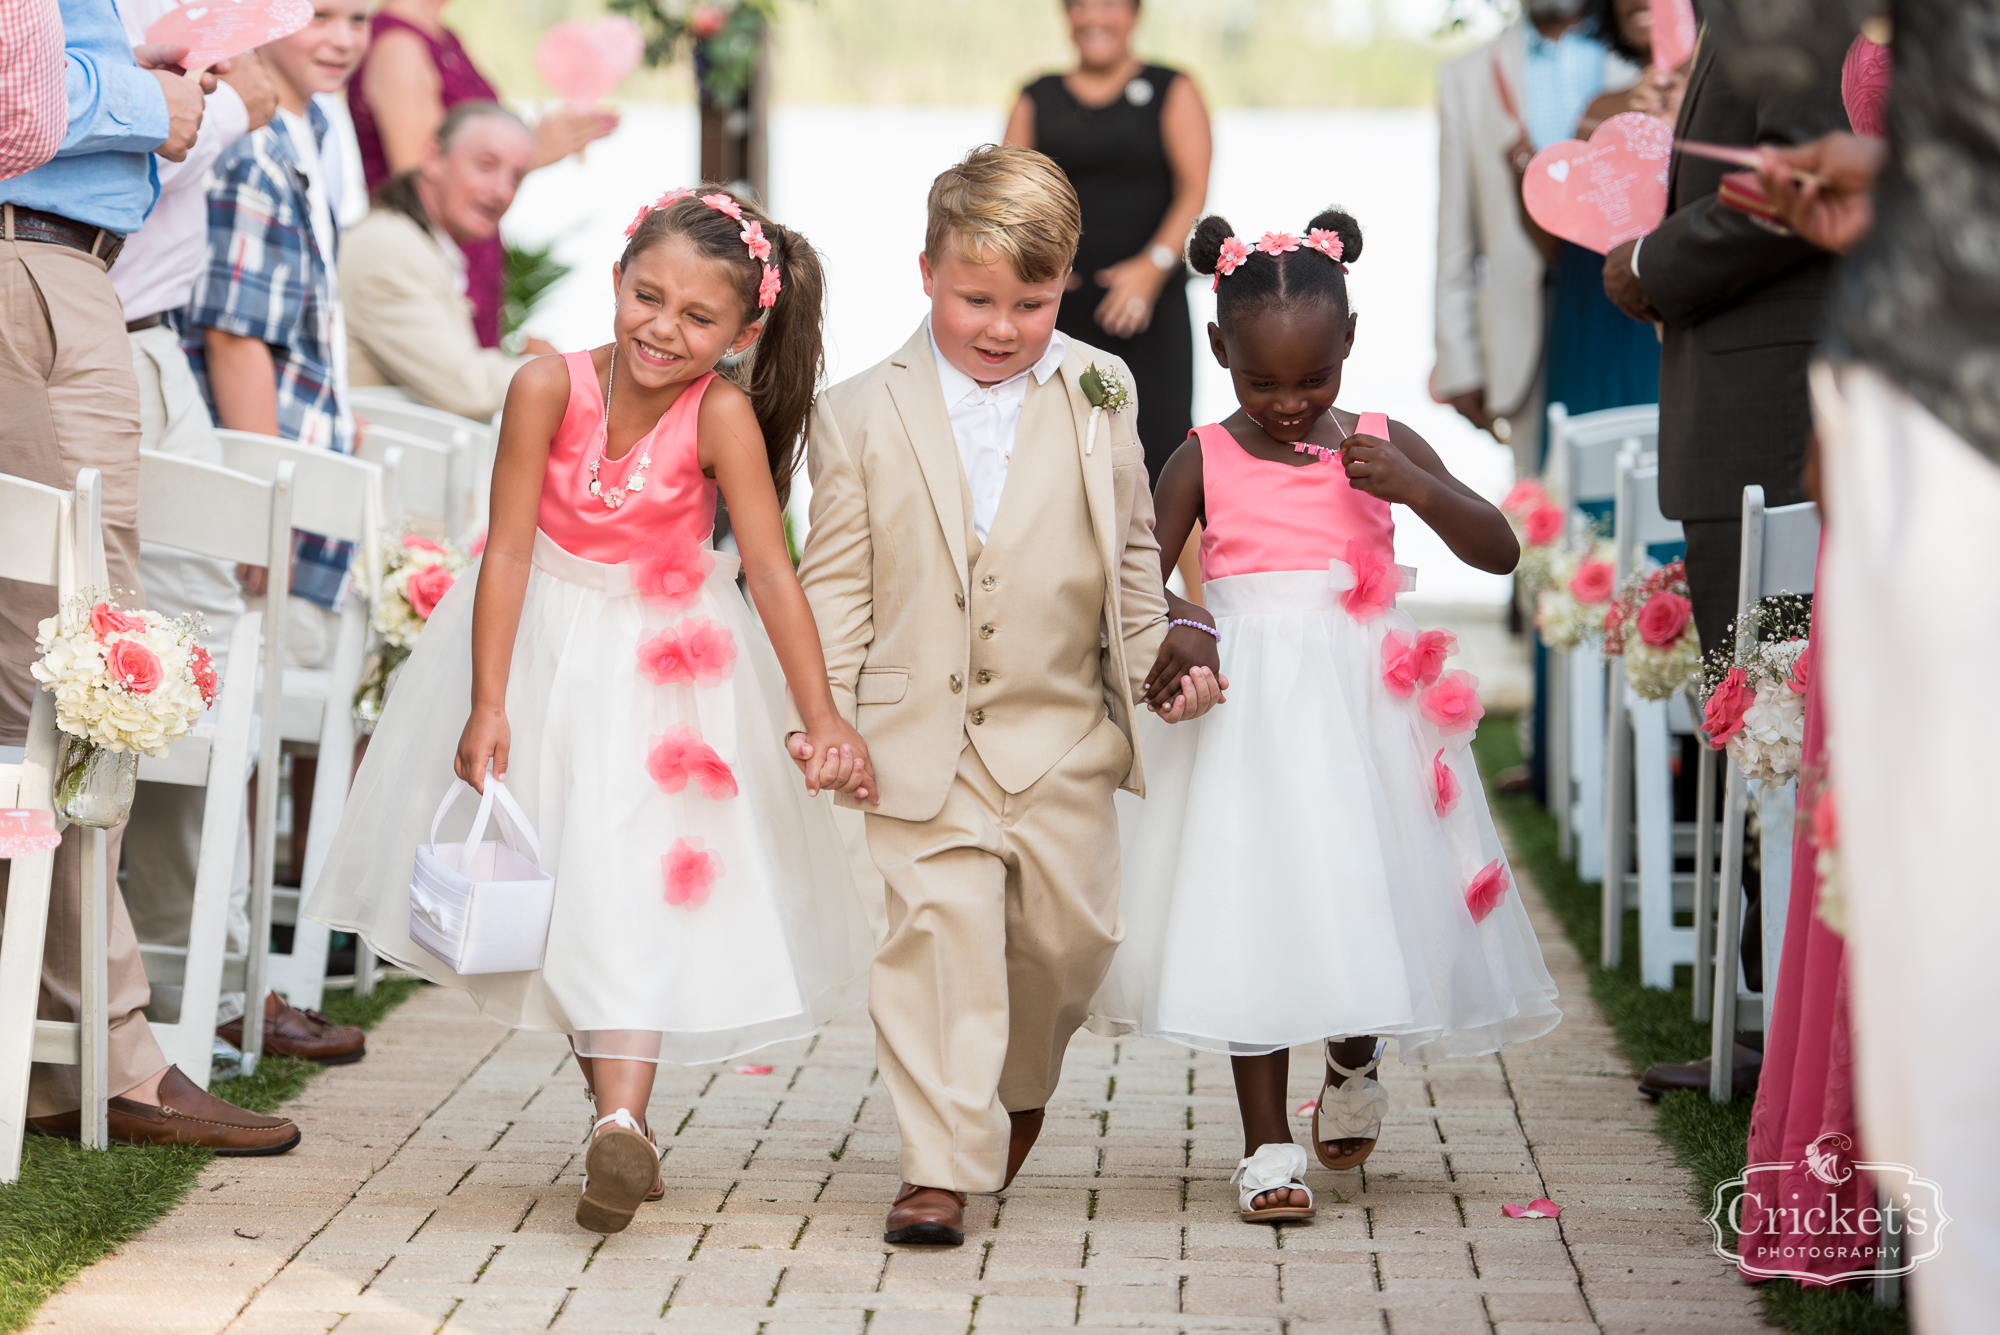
<point>1273,1167</point>
<point>1350,1111</point>
<point>621,1169</point>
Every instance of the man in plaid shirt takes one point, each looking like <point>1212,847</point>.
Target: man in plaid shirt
<point>263,331</point>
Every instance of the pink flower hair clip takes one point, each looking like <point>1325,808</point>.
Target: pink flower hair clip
<point>1275,244</point>
<point>1235,251</point>
<point>752,236</point>
<point>1328,244</point>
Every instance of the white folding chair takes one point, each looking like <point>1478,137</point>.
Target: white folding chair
<point>1583,455</point>
<point>338,497</point>
<point>470,445</point>
<point>49,537</point>
<point>427,482</point>
<point>212,511</point>
<point>1780,555</point>
<point>1639,761</point>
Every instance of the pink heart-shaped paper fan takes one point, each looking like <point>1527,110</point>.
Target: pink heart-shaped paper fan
<point>1674,32</point>
<point>220,28</point>
<point>584,63</point>
<point>25,832</point>
<point>1541,1208</point>
<point>1606,192</point>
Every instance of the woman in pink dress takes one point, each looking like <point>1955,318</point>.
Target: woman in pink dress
<point>1332,800</point>
<point>630,702</point>
<point>413,72</point>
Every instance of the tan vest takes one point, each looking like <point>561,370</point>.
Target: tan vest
<point>1025,665</point>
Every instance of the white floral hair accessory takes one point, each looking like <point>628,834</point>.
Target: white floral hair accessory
<point>752,236</point>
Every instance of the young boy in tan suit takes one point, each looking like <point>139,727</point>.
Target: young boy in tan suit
<point>987,587</point>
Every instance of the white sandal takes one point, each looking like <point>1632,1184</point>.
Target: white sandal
<point>1350,1111</point>
<point>1273,1167</point>
<point>624,1165</point>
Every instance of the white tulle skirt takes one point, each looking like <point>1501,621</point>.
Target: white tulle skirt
<point>1288,876</point>
<point>781,943</point>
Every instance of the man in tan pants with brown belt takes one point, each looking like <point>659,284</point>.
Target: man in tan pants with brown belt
<point>982,567</point>
<point>70,401</point>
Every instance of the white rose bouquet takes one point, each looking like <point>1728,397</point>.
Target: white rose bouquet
<point>1757,695</point>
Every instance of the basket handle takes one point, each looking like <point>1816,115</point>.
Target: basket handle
<point>512,818</point>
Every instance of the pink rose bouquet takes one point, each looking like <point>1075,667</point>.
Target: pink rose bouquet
<point>417,572</point>
<point>1651,626</point>
<point>124,681</point>
<point>1571,606</point>
<point>1756,701</point>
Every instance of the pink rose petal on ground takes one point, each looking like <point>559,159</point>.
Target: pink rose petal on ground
<point>670,570</point>
<point>107,620</point>
<point>690,870</point>
<point>1444,785</point>
<point>1540,1208</point>
<point>427,586</point>
<point>1305,1109</point>
<point>1543,523</point>
<point>679,755</point>
<point>1723,718</point>
<point>25,831</point>
<point>1453,704</point>
<point>134,666</point>
<point>1488,888</point>
<point>755,1070</point>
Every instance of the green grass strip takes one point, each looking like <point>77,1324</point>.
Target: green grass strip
<point>1710,1140</point>
<point>72,1205</point>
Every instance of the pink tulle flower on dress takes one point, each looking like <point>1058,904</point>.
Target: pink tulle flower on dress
<point>134,666</point>
<point>417,542</point>
<point>1593,582</point>
<point>1431,649</point>
<point>670,570</point>
<point>769,288</point>
<point>106,620</point>
<point>1797,681</point>
<point>680,755</point>
<point>1376,583</point>
<point>1663,618</point>
<point>1326,243</point>
<point>426,586</point>
<point>1444,785</point>
<point>1453,704</point>
<point>689,870</point>
<point>1277,243</point>
<point>1723,717</point>
<point>1543,523</point>
<point>724,204</point>
<point>699,650</point>
<point>754,238</point>
<point>1488,888</point>
<point>1412,663</point>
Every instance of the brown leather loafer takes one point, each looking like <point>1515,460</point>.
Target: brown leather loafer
<point>307,1035</point>
<point>1666,1077</point>
<point>185,1115</point>
<point>926,1217</point>
<point>1027,1126</point>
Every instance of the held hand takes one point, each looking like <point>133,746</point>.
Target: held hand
<point>1381,470</point>
<point>1130,289</point>
<point>1622,285</point>
<point>252,82</point>
<point>1835,212</point>
<point>486,738</point>
<point>834,756</point>
<point>184,108</point>
<point>1184,650</point>
<point>1201,691</point>
<point>565,130</point>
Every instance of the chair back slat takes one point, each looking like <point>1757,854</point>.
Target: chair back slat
<point>1791,549</point>
<point>426,473</point>
<point>1640,527</point>
<point>34,518</point>
<point>206,509</point>
<point>334,491</point>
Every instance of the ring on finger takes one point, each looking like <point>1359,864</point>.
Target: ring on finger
<point>1135,306</point>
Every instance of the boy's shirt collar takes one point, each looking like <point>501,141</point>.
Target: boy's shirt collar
<point>957,385</point>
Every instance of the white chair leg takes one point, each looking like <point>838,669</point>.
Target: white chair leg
<point>1653,803</point>
<point>1704,879</point>
<point>1556,737</point>
<point>364,968</point>
<point>1728,943</point>
<point>95,988</point>
<point>25,928</point>
<point>1615,838</point>
<point>1774,814</point>
<point>1589,704</point>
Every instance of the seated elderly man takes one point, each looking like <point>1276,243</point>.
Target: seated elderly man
<point>402,275</point>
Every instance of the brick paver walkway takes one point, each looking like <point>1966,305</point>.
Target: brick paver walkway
<point>437,1183</point>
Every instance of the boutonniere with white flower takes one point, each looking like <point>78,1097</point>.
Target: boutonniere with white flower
<point>1107,392</point>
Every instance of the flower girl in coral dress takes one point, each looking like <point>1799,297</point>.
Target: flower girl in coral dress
<point>621,689</point>
<point>1331,801</point>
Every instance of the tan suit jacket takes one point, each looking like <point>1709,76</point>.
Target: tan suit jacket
<point>408,325</point>
<point>888,574</point>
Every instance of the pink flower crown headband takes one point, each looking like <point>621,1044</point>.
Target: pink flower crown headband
<point>753,236</point>
<point>1236,251</point>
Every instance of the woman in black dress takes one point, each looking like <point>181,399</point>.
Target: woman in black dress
<point>1134,141</point>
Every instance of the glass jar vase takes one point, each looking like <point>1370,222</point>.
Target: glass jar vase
<point>95,786</point>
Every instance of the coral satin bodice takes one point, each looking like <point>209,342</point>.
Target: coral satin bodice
<point>674,496</point>
<point>1264,516</point>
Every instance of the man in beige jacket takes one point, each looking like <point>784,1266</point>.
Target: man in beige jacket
<point>982,567</point>
<point>402,276</point>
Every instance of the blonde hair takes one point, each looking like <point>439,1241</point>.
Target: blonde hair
<point>1014,203</point>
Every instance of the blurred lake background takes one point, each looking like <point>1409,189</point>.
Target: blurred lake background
<point>1314,102</point>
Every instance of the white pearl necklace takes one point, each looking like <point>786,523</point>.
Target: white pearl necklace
<point>613,497</point>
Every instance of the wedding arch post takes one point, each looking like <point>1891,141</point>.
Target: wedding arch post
<point>729,42</point>
<point>735,140</point>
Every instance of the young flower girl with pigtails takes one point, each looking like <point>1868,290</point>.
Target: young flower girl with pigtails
<point>633,707</point>
<point>1314,860</point>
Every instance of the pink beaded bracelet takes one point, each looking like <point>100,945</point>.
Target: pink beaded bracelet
<point>1198,625</point>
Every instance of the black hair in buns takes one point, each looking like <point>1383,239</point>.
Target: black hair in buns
<point>1290,279</point>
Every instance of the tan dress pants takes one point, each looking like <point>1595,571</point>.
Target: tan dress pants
<point>68,400</point>
<point>1003,917</point>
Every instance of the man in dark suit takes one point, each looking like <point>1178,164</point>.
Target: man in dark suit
<point>1739,309</point>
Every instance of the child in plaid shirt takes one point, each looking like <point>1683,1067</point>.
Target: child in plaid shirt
<point>264,329</point>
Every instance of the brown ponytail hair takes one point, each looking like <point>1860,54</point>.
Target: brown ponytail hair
<point>781,372</point>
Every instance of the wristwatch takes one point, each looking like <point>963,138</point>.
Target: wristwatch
<point>1164,258</point>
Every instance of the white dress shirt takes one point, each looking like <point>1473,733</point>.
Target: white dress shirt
<point>983,423</point>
